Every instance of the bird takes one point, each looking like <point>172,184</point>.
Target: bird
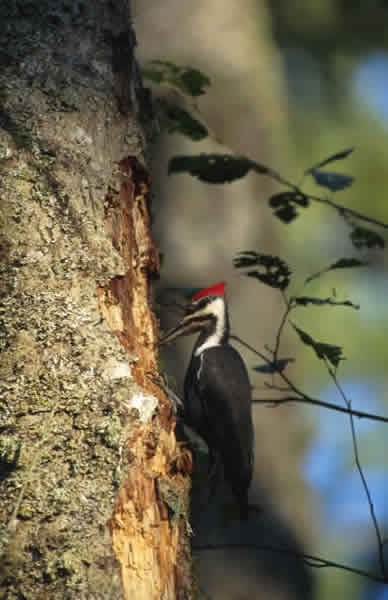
<point>217,391</point>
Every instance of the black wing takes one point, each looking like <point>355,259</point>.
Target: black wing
<point>223,412</point>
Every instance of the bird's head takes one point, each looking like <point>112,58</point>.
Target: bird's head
<point>207,309</point>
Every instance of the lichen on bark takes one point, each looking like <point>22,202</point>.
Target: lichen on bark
<point>77,332</point>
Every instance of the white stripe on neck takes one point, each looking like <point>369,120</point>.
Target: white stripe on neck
<point>216,308</point>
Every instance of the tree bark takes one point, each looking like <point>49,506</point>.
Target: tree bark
<point>93,485</point>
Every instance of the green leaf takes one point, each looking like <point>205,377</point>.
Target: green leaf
<point>211,168</point>
<point>342,263</point>
<point>271,270</point>
<point>334,157</point>
<point>305,300</point>
<point>194,82</point>
<point>333,181</point>
<point>179,120</point>
<point>188,80</point>
<point>366,238</point>
<point>274,367</point>
<point>347,263</point>
<point>152,75</point>
<point>323,351</point>
<point>284,205</point>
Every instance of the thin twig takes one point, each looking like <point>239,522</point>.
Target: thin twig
<point>283,321</point>
<point>302,397</point>
<point>311,560</point>
<point>348,403</point>
<point>342,210</point>
<point>315,402</point>
<point>251,348</point>
<point>272,386</point>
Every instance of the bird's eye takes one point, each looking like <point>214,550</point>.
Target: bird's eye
<point>196,305</point>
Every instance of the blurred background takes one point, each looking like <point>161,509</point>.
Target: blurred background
<point>291,83</point>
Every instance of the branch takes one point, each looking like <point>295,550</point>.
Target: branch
<point>343,211</point>
<point>283,322</point>
<point>315,402</point>
<point>251,348</point>
<point>309,559</point>
<point>302,397</point>
<point>380,542</point>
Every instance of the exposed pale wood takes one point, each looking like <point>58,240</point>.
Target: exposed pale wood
<point>149,539</point>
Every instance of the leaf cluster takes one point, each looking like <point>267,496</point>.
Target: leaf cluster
<point>189,81</point>
<point>323,351</point>
<point>178,112</point>
<point>214,168</point>
<point>366,238</point>
<point>210,168</point>
<point>276,273</point>
<point>179,120</point>
<point>270,270</point>
<point>285,204</point>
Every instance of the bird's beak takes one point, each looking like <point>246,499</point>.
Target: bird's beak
<point>188,325</point>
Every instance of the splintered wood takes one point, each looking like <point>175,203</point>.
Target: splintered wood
<point>149,531</point>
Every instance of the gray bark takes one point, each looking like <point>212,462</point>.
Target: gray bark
<point>77,332</point>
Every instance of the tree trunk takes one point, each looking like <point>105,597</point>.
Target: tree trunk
<point>93,484</point>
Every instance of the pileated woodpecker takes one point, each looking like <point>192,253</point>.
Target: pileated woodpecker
<point>217,392</point>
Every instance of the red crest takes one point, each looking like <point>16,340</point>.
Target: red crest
<point>217,290</point>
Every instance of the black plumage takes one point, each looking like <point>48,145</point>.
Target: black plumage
<point>218,402</point>
<point>218,407</point>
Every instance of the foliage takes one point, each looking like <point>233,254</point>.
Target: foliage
<point>184,83</point>
<point>186,79</point>
<point>270,269</point>
<point>323,351</point>
<point>214,168</point>
<point>342,263</point>
<point>287,205</point>
<point>365,238</point>
<point>181,121</point>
